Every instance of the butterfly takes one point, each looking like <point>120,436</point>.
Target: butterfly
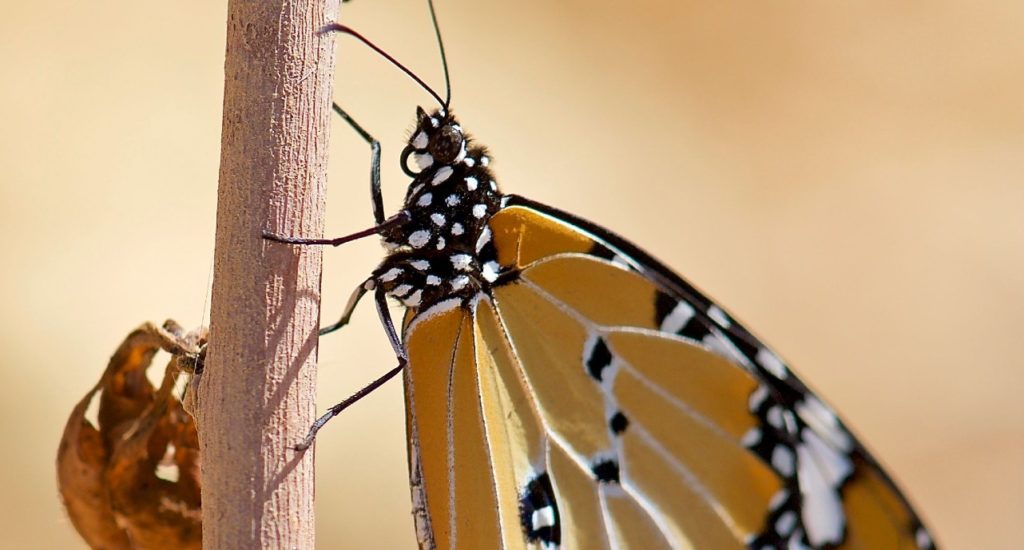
<point>565,389</point>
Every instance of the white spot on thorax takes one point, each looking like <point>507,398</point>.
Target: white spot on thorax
<point>401,290</point>
<point>471,183</point>
<point>452,200</point>
<point>442,174</point>
<point>469,161</point>
<point>494,186</point>
<point>490,271</point>
<point>391,274</point>
<point>423,160</point>
<point>413,299</point>
<point>485,160</point>
<point>457,229</point>
<point>483,239</point>
<point>440,243</point>
<point>425,199</point>
<point>438,219</point>
<point>419,238</point>
<point>460,282</point>
<point>420,141</point>
<point>461,262</point>
<point>479,210</point>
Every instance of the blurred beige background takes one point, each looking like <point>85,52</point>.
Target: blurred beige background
<point>847,180</point>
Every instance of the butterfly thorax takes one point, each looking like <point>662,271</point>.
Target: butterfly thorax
<point>441,251</point>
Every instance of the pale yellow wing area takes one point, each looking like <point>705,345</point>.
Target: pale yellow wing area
<point>683,471</point>
<point>446,428</point>
<point>755,450</point>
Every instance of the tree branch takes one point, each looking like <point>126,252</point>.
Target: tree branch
<point>257,397</point>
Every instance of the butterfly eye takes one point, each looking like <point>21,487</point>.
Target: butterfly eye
<point>447,144</point>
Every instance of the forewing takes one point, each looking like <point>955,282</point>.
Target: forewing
<point>712,407</point>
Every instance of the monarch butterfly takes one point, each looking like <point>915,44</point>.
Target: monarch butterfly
<point>564,388</point>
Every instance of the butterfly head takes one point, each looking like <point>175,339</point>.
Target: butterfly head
<point>437,141</point>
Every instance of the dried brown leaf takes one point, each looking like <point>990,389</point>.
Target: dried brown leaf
<point>114,478</point>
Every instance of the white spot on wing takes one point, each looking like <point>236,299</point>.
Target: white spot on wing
<point>923,539</point>
<point>775,416</point>
<point>543,517</point>
<point>757,397</point>
<point>421,265</point>
<point>457,229</point>
<point>677,318</point>
<point>771,363</point>
<point>717,315</point>
<point>452,200</point>
<point>823,420</point>
<point>479,211</point>
<point>425,199</point>
<point>433,280</point>
<point>822,470</point>
<point>751,438</point>
<point>778,499</point>
<point>438,219</point>
<point>440,243</point>
<point>783,460</point>
<point>786,522</point>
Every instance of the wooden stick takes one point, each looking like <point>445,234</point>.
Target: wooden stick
<point>256,398</point>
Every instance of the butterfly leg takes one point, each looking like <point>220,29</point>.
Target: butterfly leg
<point>396,344</point>
<point>375,194</point>
<point>346,315</point>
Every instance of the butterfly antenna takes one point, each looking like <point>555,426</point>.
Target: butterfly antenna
<point>444,58</point>
<point>338,27</point>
